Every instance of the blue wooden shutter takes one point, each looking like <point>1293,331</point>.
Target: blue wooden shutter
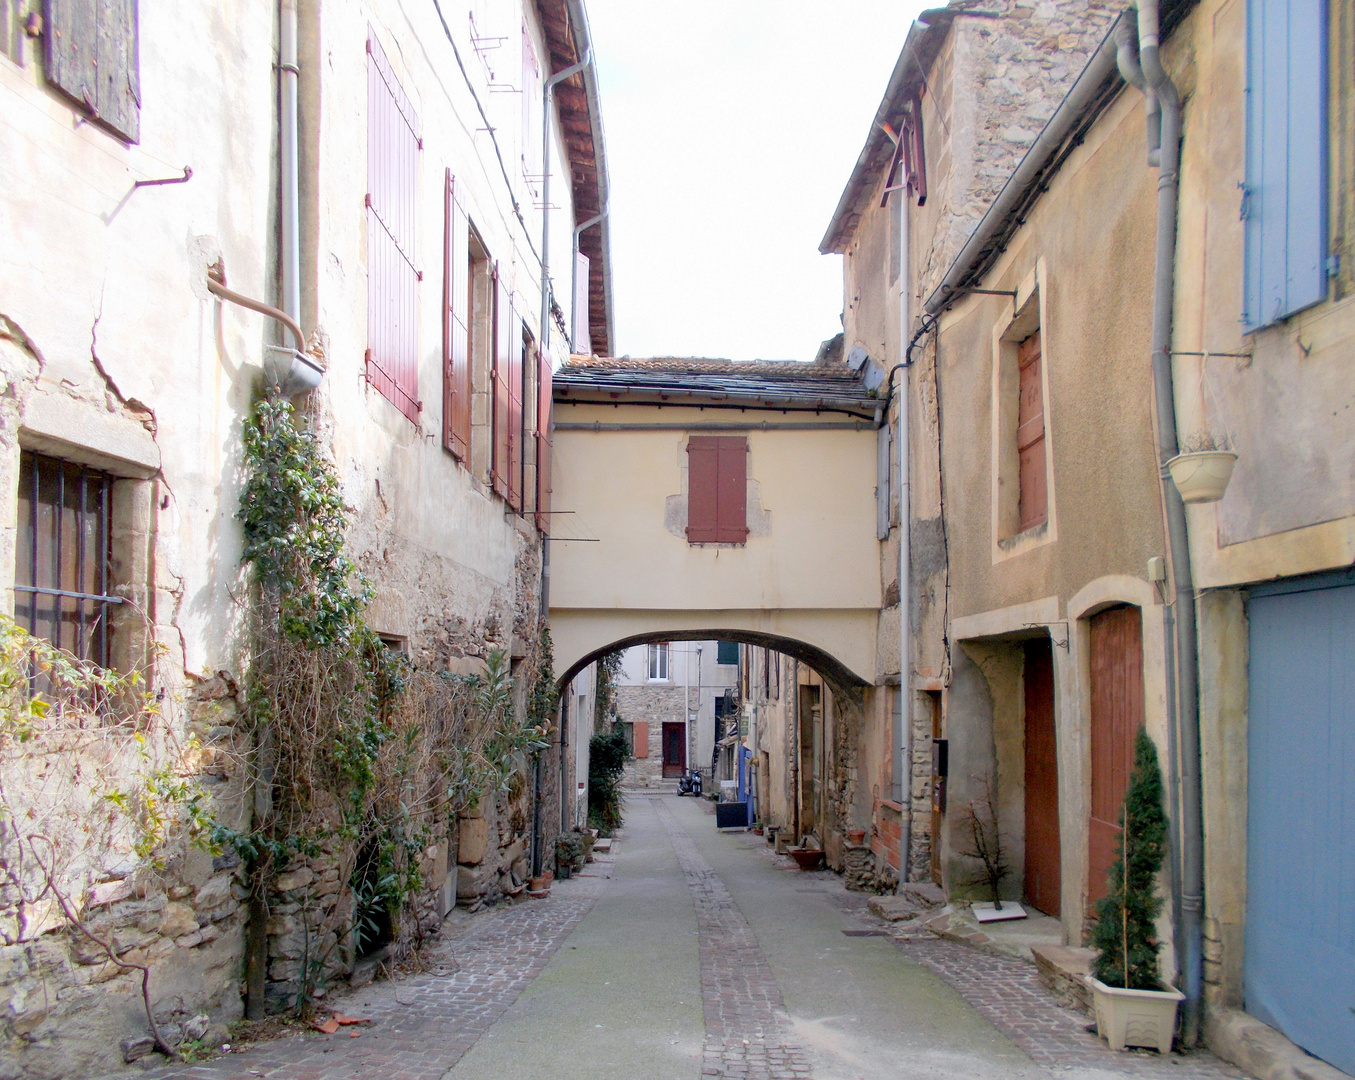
<point>1285,206</point>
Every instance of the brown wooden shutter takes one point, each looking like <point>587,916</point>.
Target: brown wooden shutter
<point>94,56</point>
<point>1030,436</point>
<point>731,511</point>
<point>717,489</point>
<point>1116,716</point>
<point>393,146</point>
<point>504,348</point>
<point>702,484</point>
<point>543,443</point>
<point>640,739</point>
<point>516,419</point>
<point>456,301</point>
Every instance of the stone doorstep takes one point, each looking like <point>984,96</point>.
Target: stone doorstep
<point>1063,971</point>
<point>1260,1050</point>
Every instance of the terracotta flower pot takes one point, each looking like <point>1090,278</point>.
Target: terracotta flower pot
<point>856,837</point>
<point>807,858</point>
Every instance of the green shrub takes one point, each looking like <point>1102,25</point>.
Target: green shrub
<point>607,754</point>
<point>1126,918</point>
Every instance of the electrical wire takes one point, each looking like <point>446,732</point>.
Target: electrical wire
<point>517,208</point>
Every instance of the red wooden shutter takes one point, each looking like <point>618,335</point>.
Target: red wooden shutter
<point>516,419</point>
<point>393,146</point>
<point>717,489</point>
<point>731,504</point>
<point>543,443</point>
<point>640,739</point>
<point>1030,436</point>
<point>456,300</point>
<point>1116,716</point>
<point>504,348</point>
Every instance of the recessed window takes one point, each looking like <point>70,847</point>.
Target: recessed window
<point>1033,504</point>
<point>659,655</point>
<point>63,556</point>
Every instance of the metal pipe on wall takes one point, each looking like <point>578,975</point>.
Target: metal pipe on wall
<point>574,279</point>
<point>288,201</point>
<point>905,551</point>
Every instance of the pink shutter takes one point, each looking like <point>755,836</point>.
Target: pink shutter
<point>640,737</point>
<point>455,325</point>
<point>393,146</point>
<point>543,443</point>
<point>1033,498</point>
<point>516,420</point>
<point>503,359</point>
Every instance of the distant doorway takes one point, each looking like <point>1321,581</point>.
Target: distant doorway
<point>1042,781</point>
<point>674,749</point>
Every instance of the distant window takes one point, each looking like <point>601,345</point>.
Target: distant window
<point>727,652</point>
<point>93,55</point>
<point>63,556</point>
<point>393,146</point>
<point>658,662</point>
<point>717,489</point>
<point>458,268</point>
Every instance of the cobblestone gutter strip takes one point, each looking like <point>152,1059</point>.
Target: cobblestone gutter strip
<point>748,1032</point>
<point>1007,992</point>
<point>421,1026</point>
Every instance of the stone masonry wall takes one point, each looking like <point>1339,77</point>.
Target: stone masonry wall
<point>654,705</point>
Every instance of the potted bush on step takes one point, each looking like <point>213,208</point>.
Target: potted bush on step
<point>1133,1008</point>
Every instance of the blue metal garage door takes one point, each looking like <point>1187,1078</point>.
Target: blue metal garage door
<point>1299,969</point>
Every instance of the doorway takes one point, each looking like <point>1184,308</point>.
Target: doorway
<point>1116,716</point>
<point>1043,878</point>
<point>674,750</point>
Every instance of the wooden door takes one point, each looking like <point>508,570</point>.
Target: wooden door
<point>1117,715</point>
<point>938,790</point>
<point>1042,781</point>
<point>674,749</point>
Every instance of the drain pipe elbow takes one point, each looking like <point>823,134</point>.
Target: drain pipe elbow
<point>1127,60</point>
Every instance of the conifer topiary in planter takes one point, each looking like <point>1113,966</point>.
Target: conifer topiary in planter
<point>1132,1006</point>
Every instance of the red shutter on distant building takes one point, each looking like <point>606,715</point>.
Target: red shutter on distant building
<point>504,348</point>
<point>543,443</point>
<point>392,278</point>
<point>456,387</point>
<point>717,489</point>
<point>516,419</point>
<point>1030,435</point>
<point>640,738</point>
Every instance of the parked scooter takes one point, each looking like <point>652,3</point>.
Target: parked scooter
<point>689,783</point>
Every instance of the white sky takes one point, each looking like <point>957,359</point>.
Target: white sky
<point>732,127</point>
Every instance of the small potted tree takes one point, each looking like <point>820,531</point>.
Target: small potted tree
<point>1133,1008</point>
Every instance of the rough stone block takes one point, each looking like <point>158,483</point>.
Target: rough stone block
<point>178,919</point>
<point>1063,971</point>
<point>472,841</point>
<point>216,892</point>
<point>293,880</point>
<point>467,884</point>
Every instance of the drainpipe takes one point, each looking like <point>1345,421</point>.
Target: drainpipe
<point>1187,659</point>
<point>574,278</point>
<point>905,556</point>
<point>547,97</point>
<point>290,247</point>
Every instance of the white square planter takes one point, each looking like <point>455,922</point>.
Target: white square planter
<point>1135,1017</point>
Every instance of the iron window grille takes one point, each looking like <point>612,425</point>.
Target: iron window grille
<point>64,556</point>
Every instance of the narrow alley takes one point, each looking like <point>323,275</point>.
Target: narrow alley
<point>695,952</point>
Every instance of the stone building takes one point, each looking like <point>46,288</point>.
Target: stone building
<point>165,242</point>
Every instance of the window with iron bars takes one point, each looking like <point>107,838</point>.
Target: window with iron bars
<point>63,556</point>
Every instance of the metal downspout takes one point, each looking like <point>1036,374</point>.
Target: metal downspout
<point>288,201</point>
<point>574,278</point>
<point>1187,657</point>
<point>905,554</point>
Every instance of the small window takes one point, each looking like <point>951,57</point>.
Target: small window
<point>658,661</point>
<point>393,146</point>
<point>717,489</point>
<point>507,367</point>
<point>63,575</point>
<point>458,291</point>
<point>1033,503</point>
<point>726,652</point>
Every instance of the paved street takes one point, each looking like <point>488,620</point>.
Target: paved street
<point>691,954</point>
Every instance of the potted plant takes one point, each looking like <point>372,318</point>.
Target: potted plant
<point>1202,469</point>
<point>1133,1008</point>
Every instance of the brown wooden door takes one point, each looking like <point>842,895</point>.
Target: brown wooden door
<point>1042,781</point>
<point>938,791</point>
<point>674,749</point>
<point>1117,715</point>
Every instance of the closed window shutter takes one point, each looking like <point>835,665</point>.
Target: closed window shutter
<point>579,305</point>
<point>1030,436</point>
<point>93,54</point>
<point>1284,208</point>
<point>504,347</point>
<point>703,463</point>
<point>392,279</point>
<point>543,443</point>
<point>882,464</point>
<point>455,325</point>
<point>516,420</point>
<point>731,511</point>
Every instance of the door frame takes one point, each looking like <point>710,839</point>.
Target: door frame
<point>672,770</point>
